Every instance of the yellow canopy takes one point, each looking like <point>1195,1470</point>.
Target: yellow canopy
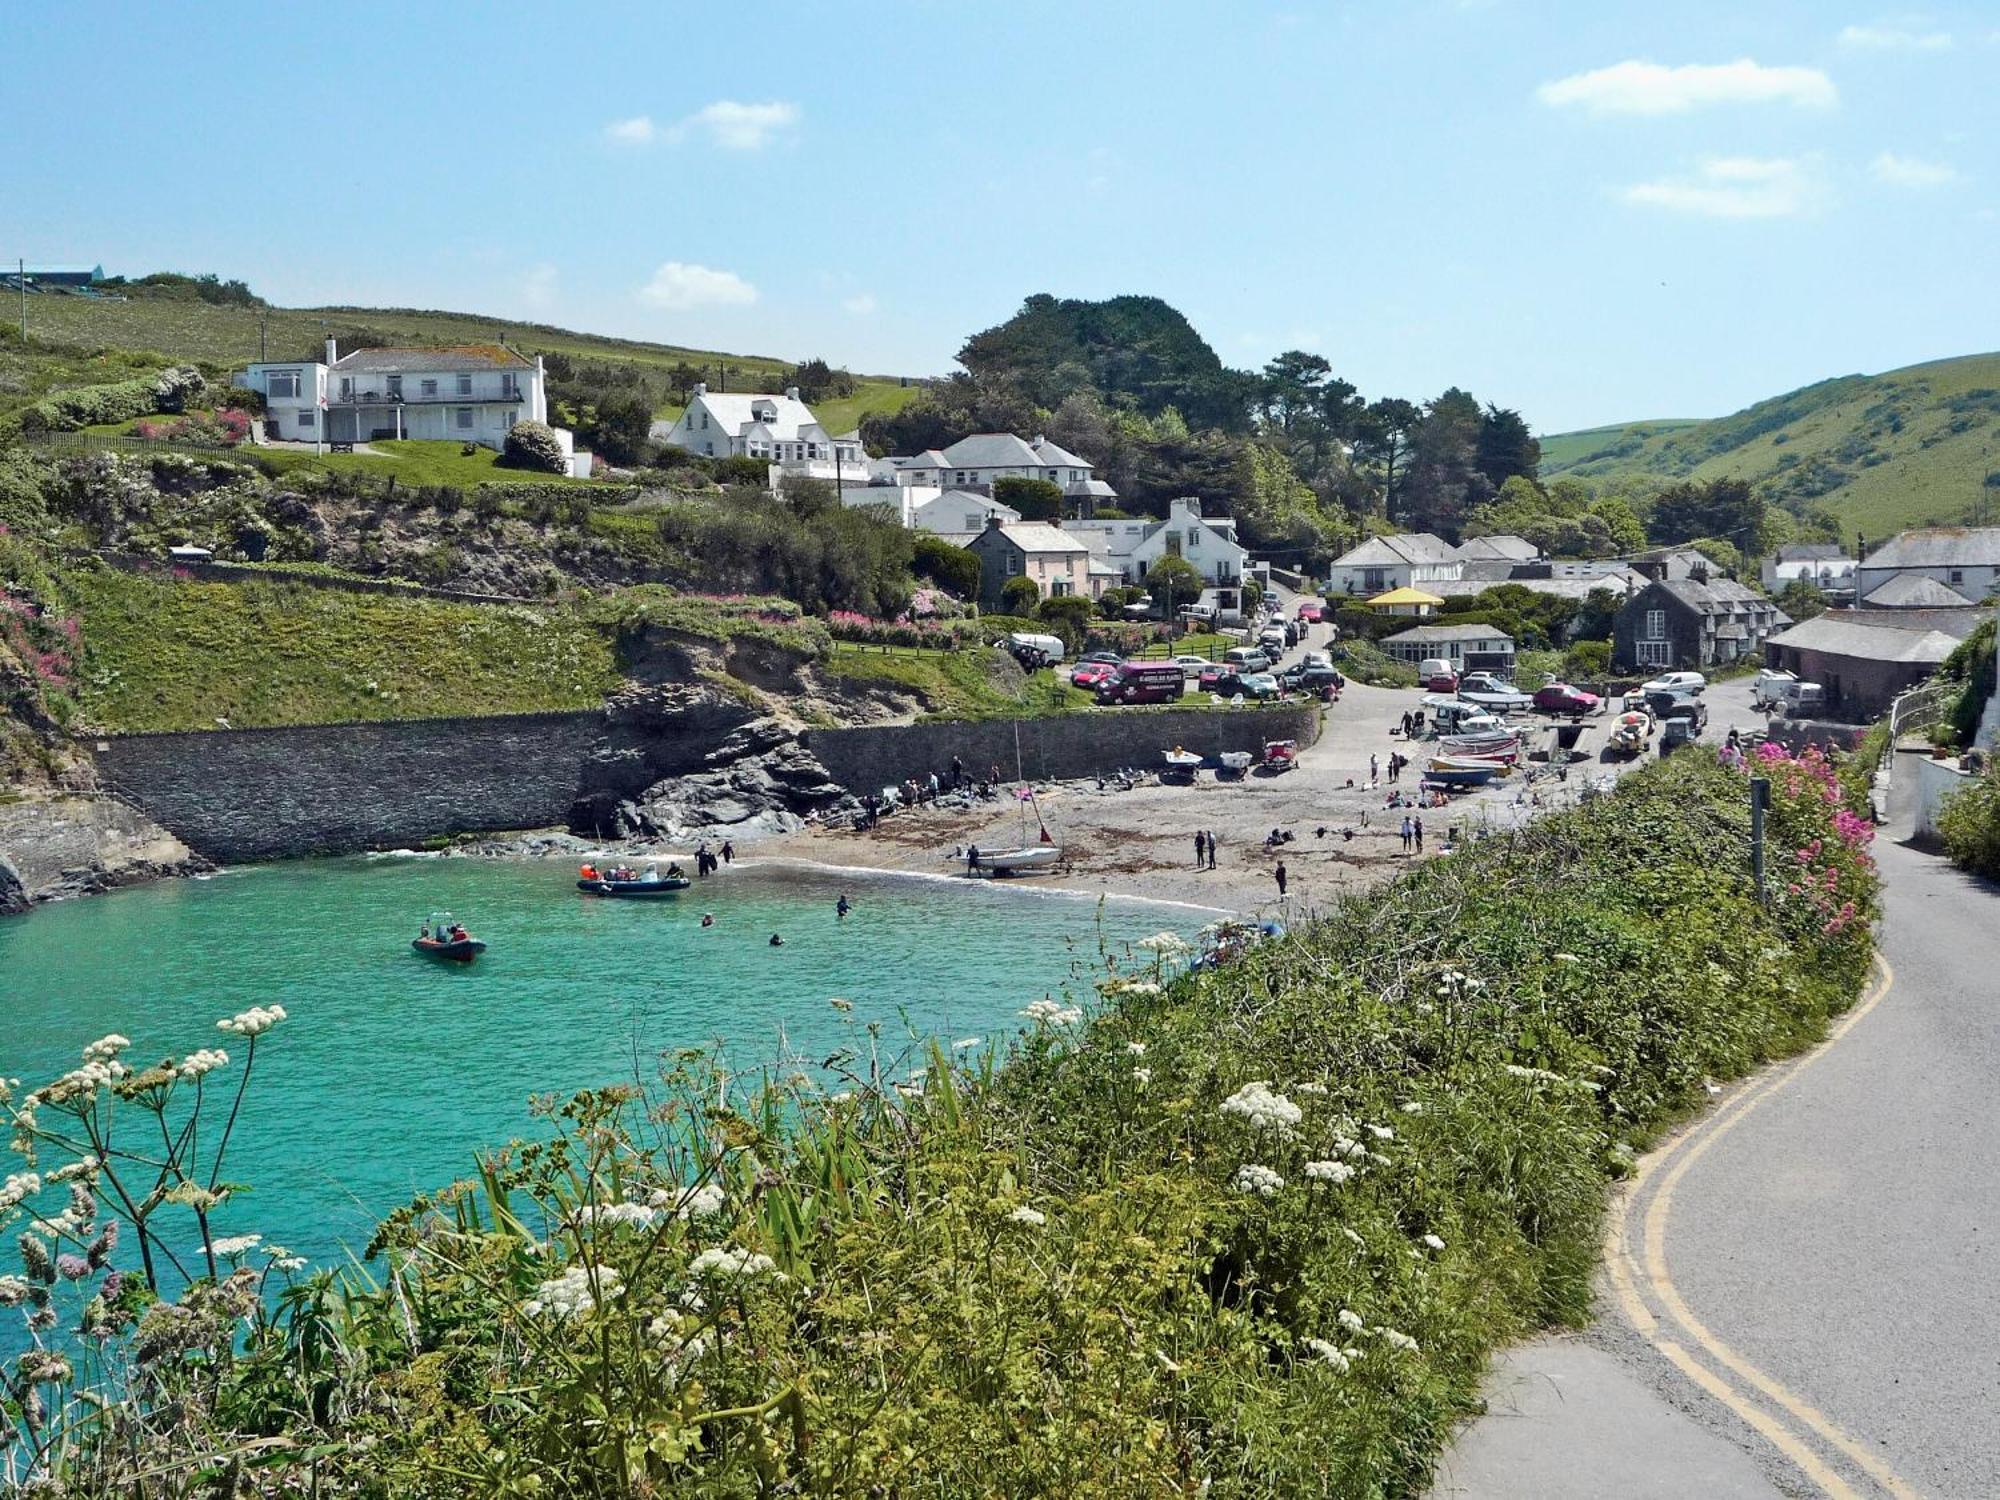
<point>1403,596</point>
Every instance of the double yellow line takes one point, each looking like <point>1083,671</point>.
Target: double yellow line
<point>1635,1256</point>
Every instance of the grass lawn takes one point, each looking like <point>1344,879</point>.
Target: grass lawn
<point>415,461</point>
<point>164,654</point>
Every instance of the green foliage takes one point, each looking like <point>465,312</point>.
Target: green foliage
<point>970,683</point>
<point>1246,1232</point>
<point>91,405</point>
<point>739,469</point>
<point>748,542</point>
<point>1035,499</point>
<point>1801,599</point>
<point>1069,617</point>
<point>1724,509</point>
<point>1972,665</point>
<point>1174,579</point>
<point>1969,825</point>
<point>818,381</point>
<point>1019,595</point>
<point>534,447</point>
<point>950,567</point>
<point>1587,661</point>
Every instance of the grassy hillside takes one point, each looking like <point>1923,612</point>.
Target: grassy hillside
<point>189,330</point>
<point>1915,446</point>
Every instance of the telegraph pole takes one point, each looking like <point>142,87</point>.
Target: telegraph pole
<point>22,266</point>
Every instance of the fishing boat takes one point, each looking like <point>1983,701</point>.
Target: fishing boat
<point>1469,763</point>
<point>1044,854</point>
<point>1235,762</point>
<point>1462,778</point>
<point>1182,762</point>
<point>451,943</point>
<point>1281,755</point>
<point>1501,747</point>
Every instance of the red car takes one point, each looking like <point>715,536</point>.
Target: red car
<point>1311,611</point>
<point>1561,698</point>
<point>1090,673</point>
<point>1213,677</point>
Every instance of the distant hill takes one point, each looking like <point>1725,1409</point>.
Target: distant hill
<point>1916,446</point>
<point>187,329</point>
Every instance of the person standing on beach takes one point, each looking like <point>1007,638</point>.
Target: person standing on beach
<point>972,860</point>
<point>1374,771</point>
<point>1406,835</point>
<point>1200,847</point>
<point>957,773</point>
<point>1418,829</point>
<point>1211,848</point>
<point>1279,875</point>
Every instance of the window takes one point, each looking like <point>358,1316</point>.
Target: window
<point>282,385</point>
<point>395,388</point>
<point>1958,575</point>
<point>1656,625</point>
<point>346,387</point>
<point>307,417</point>
<point>465,385</point>
<point>464,417</point>
<point>1372,579</point>
<point>430,387</point>
<point>704,425</point>
<point>1061,588</point>
<point>1013,562</point>
<point>510,387</point>
<point>1656,654</point>
<point>961,476</point>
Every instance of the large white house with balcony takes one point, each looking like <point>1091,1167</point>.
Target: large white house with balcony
<point>469,393</point>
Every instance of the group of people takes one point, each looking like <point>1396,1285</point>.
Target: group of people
<point>1413,835</point>
<point>1413,725</point>
<point>1204,849</point>
<point>1397,761</point>
<point>447,932</point>
<point>626,874</point>
<point>707,861</point>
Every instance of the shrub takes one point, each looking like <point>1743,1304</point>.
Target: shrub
<point>1969,825</point>
<point>738,469</point>
<point>948,566</point>
<point>244,399</point>
<point>1069,617</point>
<point>174,388</point>
<point>534,446</point>
<point>1588,661</point>
<point>91,406</point>
<point>1019,595</point>
<point>1035,499</point>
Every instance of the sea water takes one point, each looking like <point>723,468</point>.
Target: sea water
<point>393,1070</point>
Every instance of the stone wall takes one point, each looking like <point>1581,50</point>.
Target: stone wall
<point>1075,744</point>
<point>242,794</point>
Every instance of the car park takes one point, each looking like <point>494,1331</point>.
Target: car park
<point>1676,682</point>
<point>1247,658</point>
<point>1307,678</point>
<point>1192,666</point>
<point>1561,698</point>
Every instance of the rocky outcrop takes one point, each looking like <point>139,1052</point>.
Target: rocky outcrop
<point>757,780</point>
<point>74,846</point>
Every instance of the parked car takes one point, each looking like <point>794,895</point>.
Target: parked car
<point>1311,611</point>
<point>1192,666</point>
<point>1274,639</point>
<point>1258,685</point>
<point>1050,646</point>
<point>1214,675</point>
<point>1247,658</point>
<point>1305,678</point>
<point>1456,716</point>
<point>1317,659</point>
<point>1805,700</point>
<point>1561,698</point>
<point>1143,682</point>
<point>1111,656</point>
<point>1492,692</point>
<point>1782,690</point>
<point>1675,682</point>
<point>1198,614</point>
<point>1672,706</point>
<point>1437,675</point>
<point>1677,732</point>
<point>1089,674</point>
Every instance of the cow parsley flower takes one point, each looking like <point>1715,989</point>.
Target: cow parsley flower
<point>105,1048</point>
<point>1382,1132</point>
<point>1311,1088</point>
<point>570,1295</point>
<point>238,1244</point>
<point>1335,1172</point>
<point>1033,1217</point>
<point>1397,1340</point>
<point>19,1185</point>
<point>637,1215</point>
<point>202,1061</point>
<point>1260,1180</point>
<point>1264,1110</point>
<point>1047,1012</point>
<point>1351,1320</point>
<point>1352,1235</point>
<point>253,1022</point>
<point>1137,1049</point>
<point>1327,1354</point>
<point>1142,1076</point>
<point>1434,1242</point>
<point>733,1263</point>
<point>1166,944</point>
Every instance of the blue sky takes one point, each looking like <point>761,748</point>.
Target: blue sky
<point>1589,210</point>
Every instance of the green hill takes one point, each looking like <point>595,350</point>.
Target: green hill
<point>187,329</point>
<point>1916,446</point>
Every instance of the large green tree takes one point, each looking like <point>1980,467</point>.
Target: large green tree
<point>1035,499</point>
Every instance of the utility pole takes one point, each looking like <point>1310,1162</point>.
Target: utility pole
<point>1760,798</point>
<point>263,338</point>
<point>22,266</point>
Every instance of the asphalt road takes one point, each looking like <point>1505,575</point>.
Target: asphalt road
<point>1809,1272</point>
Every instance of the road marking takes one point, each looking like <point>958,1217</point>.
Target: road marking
<point>1682,1154</point>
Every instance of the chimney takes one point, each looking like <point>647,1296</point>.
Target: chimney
<point>701,388</point>
<point>791,393</point>
<point>994,523</point>
<point>332,350</point>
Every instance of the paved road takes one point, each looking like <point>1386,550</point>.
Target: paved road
<point>1810,1271</point>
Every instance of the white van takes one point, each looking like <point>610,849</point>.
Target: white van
<point>1050,646</point>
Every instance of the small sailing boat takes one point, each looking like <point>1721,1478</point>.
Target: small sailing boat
<point>1044,854</point>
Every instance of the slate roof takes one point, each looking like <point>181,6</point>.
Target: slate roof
<point>1037,536</point>
<point>1811,552</point>
<point>1914,590</point>
<point>1054,455</point>
<point>1506,545</point>
<point>991,450</point>
<point>1718,596</point>
<point>1423,635</point>
<point>1865,641</point>
<point>1404,547</point>
<point>1558,588</point>
<point>950,500</point>
<point>1939,547</point>
<point>452,357</point>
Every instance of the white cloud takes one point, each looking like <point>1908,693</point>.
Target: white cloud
<point>538,288</point>
<point>678,286</point>
<point>861,304</point>
<point>1735,187</point>
<point>1645,88</point>
<point>637,131</point>
<point>1911,171</point>
<point>739,127</point>
<point>1889,36</point>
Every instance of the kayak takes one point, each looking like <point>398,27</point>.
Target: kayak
<point>462,951</point>
<point>669,885</point>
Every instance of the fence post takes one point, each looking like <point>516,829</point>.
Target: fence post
<point>1760,798</point>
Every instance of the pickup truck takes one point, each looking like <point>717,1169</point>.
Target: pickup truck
<point>1488,691</point>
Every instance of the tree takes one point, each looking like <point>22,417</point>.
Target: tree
<point>533,446</point>
<point>1019,595</point>
<point>954,569</point>
<point>807,497</point>
<point>1173,582</point>
<point>1068,616</point>
<point>819,381</point>
<point>1505,448</point>
<point>1801,599</point>
<point>619,425</point>
<point>1727,509</point>
<point>1385,431</point>
<point>1035,499</point>
<point>1622,526</point>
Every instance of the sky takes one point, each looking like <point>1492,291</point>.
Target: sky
<point>1589,210</point>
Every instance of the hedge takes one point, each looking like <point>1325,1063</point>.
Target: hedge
<point>91,406</point>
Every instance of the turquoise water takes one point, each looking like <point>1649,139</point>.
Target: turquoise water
<point>393,1069</point>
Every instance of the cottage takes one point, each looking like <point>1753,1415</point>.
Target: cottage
<point>1690,623</point>
<point>1469,648</point>
<point>976,462</point>
<point>1824,565</point>
<point>1053,560</point>
<point>1392,562</point>
<point>1130,548</point>
<point>1864,657</point>
<point>779,429</point>
<point>1965,559</point>
<point>471,393</point>
<point>1916,591</point>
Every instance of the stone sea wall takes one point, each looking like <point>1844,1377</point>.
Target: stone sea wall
<point>247,794</point>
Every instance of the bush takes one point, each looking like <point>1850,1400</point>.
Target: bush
<point>1969,825</point>
<point>1035,499</point>
<point>1019,595</point>
<point>738,469</point>
<point>948,566</point>
<point>176,387</point>
<point>243,399</point>
<point>1587,661</point>
<point>91,406</point>
<point>535,447</point>
<point>1068,617</point>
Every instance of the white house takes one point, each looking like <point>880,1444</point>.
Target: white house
<point>781,430</point>
<point>472,393</point>
<point>957,514</point>
<point>1821,564</point>
<point>1965,559</point>
<point>1408,559</point>
<point>1132,547</point>
<point>975,462</point>
<point>1466,647</point>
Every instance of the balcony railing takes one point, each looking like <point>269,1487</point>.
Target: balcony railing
<point>421,398</point>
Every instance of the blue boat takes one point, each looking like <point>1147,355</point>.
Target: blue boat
<point>1460,778</point>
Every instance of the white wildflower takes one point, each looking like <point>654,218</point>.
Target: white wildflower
<point>86,1167</point>
<point>1538,1075</point>
<point>238,1244</point>
<point>1167,1362</point>
<point>202,1061</point>
<point>1353,1353</point>
<point>1327,1353</point>
<point>1413,1108</point>
<point>105,1048</point>
<point>570,1295</point>
<point>1434,1242</point>
<point>1382,1132</point>
<point>20,1185</point>
<point>1137,1049</point>
<point>1144,988</point>
<point>1568,958</point>
<point>253,1022</point>
<point>1335,1172</point>
<point>1261,1108</point>
<point>1030,1216</point>
<point>845,1096</point>
<point>1352,1235</point>
<point>1352,1321</point>
<point>1261,1180</point>
<point>289,1263</point>
<point>1166,944</point>
<point>696,1203</point>
<point>1397,1340</point>
<point>1342,1146</point>
<point>741,1264</point>
<point>1142,1076</point>
<point>637,1215</point>
<point>1047,1012</point>
<point>1311,1088</point>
